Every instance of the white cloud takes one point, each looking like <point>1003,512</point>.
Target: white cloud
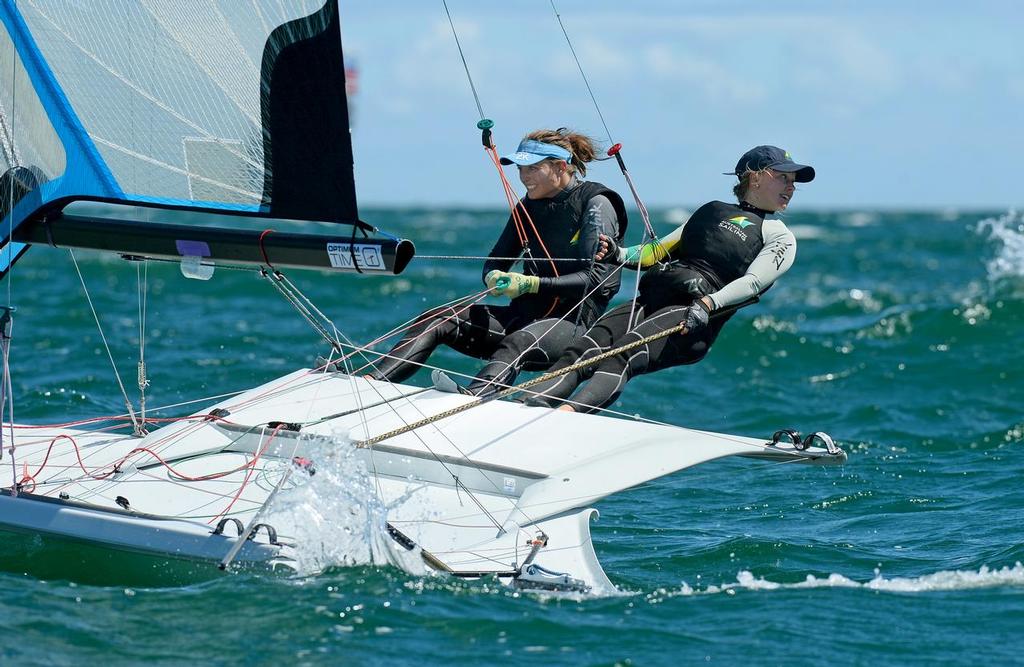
<point>712,79</point>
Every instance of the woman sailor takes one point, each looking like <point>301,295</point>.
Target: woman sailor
<point>560,291</point>
<point>723,255</point>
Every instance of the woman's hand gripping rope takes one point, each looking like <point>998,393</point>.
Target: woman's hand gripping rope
<point>632,257</point>
<point>514,285</point>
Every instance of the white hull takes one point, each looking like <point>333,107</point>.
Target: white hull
<point>470,491</point>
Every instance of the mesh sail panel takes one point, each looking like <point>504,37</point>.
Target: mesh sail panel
<point>226,104</point>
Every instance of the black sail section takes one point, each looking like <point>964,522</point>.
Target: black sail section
<point>306,137</point>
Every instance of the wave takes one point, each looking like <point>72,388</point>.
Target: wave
<point>944,580</point>
<point>1007,231</point>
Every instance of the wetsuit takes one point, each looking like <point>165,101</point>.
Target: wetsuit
<point>725,251</point>
<point>571,296</point>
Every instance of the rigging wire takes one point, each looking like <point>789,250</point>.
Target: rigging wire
<point>99,327</point>
<point>338,341</point>
<point>142,276</point>
<point>12,160</point>
<point>291,294</point>
<point>582,363</point>
<point>7,322</point>
<point>465,65</point>
<point>616,152</point>
<point>582,73</point>
<point>515,203</point>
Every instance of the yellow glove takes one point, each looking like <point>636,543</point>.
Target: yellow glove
<point>492,278</point>
<point>517,285</point>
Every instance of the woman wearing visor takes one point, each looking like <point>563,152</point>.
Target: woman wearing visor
<point>559,291</point>
<point>722,256</point>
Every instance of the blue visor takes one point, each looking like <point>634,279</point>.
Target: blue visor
<point>532,152</point>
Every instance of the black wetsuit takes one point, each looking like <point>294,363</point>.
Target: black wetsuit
<point>572,294</point>
<point>724,252</point>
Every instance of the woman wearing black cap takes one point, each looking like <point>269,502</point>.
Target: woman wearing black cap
<point>553,300</point>
<point>724,255</point>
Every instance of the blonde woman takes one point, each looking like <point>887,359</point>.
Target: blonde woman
<point>723,255</point>
<point>560,290</point>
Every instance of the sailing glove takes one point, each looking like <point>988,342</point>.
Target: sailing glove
<point>491,279</point>
<point>696,317</point>
<point>513,285</point>
<point>610,252</point>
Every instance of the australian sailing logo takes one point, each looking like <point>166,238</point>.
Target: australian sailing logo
<point>346,256</point>
<point>736,225</point>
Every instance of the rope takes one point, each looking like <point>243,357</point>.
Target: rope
<point>251,465</point>
<point>583,363</point>
<point>614,151</point>
<point>99,327</point>
<point>143,283</point>
<point>580,67</point>
<point>295,297</point>
<point>514,202</point>
<point>7,388</point>
<point>505,259</point>
<point>514,362</point>
<point>479,107</point>
<point>465,304</point>
<point>12,159</point>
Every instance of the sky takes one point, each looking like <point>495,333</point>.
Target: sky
<point>897,104</point>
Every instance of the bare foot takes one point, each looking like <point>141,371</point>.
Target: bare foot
<point>565,407</point>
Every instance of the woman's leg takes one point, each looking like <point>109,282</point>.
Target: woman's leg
<point>612,374</point>
<point>598,339</point>
<point>536,347</point>
<point>475,331</point>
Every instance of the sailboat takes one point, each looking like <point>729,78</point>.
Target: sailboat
<point>217,135</point>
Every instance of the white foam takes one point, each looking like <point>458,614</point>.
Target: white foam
<point>1008,231</point>
<point>336,518</point>
<point>860,219</point>
<point>808,232</point>
<point>676,216</point>
<point>945,580</point>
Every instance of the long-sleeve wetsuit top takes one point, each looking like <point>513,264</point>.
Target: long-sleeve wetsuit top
<point>568,226</point>
<point>736,248</point>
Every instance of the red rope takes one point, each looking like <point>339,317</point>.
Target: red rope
<point>263,249</point>
<point>248,475</point>
<point>137,450</point>
<point>516,204</point>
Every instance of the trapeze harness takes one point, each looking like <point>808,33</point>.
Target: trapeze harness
<point>726,251</point>
<point>572,294</point>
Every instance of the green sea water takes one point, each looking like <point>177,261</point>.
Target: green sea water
<point>897,332</point>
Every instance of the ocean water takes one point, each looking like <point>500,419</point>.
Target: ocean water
<point>897,332</point>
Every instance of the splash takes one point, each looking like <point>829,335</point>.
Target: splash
<point>336,517</point>
<point>945,580</point>
<point>1008,232</point>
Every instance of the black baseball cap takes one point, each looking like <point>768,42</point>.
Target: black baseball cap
<point>772,157</point>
